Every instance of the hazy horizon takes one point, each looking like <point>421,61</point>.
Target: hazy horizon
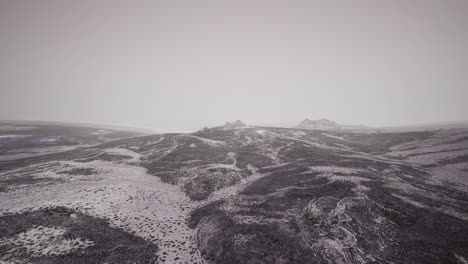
<point>186,65</point>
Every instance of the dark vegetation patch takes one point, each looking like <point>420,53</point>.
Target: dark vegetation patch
<point>385,227</point>
<point>434,152</point>
<point>459,159</point>
<point>202,184</point>
<point>27,176</point>
<point>360,163</point>
<point>111,245</point>
<point>63,135</point>
<point>79,171</point>
<point>250,155</point>
<point>459,140</point>
<point>216,134</point>
<point>380,143</point>
<point>310,154</point>
<point>187,153</point>
<point>224,241</point>
<point>77,155</point>
<point>200,213</point>
<point>106,157</point>
<point>386,230</point>
<point>422,235</point>
<point>338,189</point>
<point>153,142</point>
<point>282,179</point>
<point>14,145</point>
<point>23,180</point>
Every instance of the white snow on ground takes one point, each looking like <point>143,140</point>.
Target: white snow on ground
<point>462,259</point>
<point>9,128</point>
<point>199,169</point>
<point>241,239</point>
<point>277,165</point>
<point>260,131</point>
<point>248,219</point>
<point>124,152</point>
<point>129,198</point>
<point>434,158</point>
<point>266,149</point>
<point>330,172</point>
<point>223,166</point>
<point>335,137</point>
<point>48,140</point>
<point>432,150</point>
<point>42,241</point>
<point>248,141</point>
<point>344,147</point>
<point>101,132</point>
<point>355,179</point>
<point>442,147</point>
<point>231,200</point>
<point>298,133</point>
<point>162,152</point>
<point>32,152</point>
<point>397,183</point>
<point>445,145</point>
<point>273,154</point>
<point>423,150</point>
<point>335,248</point>
<point>14,136</point>
<point>409,200</point>
<point>457,174</point>
<point>233,166</point>
<point>344,152</point>
<point>443,137</point>
<point>334,169</point>
<point>210,142</point>
<point>154,142</point>
<point>359,189</point>
<point>234,189</point>
<point>394,182</point>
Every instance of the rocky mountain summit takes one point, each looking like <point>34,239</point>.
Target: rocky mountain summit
<point>236,124</point>
<point>322,124</point>
<point>326,124</point>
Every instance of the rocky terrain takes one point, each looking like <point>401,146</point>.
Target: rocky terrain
<point>325,124</point>
<point>240,194</point>
<point>20,140</point>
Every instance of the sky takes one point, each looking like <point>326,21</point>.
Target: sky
<point>189,64</point>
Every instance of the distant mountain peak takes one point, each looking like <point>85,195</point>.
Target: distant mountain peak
<point>323,124</point>
<point>235,124</point>
<point>326,124</point>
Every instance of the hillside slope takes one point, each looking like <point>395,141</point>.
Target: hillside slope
<point>266,195</point>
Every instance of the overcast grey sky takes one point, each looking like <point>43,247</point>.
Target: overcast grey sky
<point>196,63</point>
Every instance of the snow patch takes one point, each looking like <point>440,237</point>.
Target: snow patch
<point>410,201</point>
<point>128,198</point>
<point>42,241</point>
<point>101,132</point>
<point>210,142</point>
<point>48,140</point>
<point>334,169</point>
<point>461,259</point>
<point>14,136</point>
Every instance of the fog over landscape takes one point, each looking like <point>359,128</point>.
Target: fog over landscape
<point>234,132</point>
<point>185,64</point>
